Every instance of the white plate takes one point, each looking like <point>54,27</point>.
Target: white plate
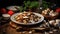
<point>13,8</point>
<point>13,19</point>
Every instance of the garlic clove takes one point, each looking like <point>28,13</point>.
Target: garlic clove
<point>52,21</point>
<point>57,20</point>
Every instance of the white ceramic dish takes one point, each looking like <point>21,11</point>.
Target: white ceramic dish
<point>13,19</point>
<point>13,8</point>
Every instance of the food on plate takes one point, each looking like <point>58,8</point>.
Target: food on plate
<point>27,17</point>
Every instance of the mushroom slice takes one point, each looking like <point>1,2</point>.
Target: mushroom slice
<point>25,17</point>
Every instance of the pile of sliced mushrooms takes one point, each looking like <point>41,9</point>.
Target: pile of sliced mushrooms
<point>55,22</point>
<point>49,12</point>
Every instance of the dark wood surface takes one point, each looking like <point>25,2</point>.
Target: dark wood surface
<point>6,29</point>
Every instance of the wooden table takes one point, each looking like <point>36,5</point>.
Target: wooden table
<point>7,29</point>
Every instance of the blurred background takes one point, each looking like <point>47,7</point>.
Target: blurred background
<point>53,4</point>
<point>5,3</point>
